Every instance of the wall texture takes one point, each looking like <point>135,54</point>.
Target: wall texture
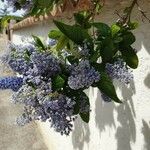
<point>112,126</point>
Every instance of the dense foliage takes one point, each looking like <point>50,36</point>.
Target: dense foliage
<point>52,77</point>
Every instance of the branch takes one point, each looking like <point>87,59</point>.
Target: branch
<point>126,17</point>
<point>142,12</point>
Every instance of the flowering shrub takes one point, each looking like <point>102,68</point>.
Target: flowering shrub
<point>53,76</point>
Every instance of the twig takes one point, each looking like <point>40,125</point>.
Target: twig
<point>127,17</point>
<point>142,12</point>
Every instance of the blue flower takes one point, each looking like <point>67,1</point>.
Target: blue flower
<point>60,110</point>
<point>13,83</point>
<point>83,75</point>
<point>50,42</point>
<point>120,71</point>
<point>45,64</point>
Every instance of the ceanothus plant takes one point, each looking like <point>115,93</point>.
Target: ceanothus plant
<point>53,76</point>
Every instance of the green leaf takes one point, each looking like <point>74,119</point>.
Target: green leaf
<point>79,18</point>
<point>78,96</point>
<point>130,57</point>
<point>58,82</point>
<point>34,10</point>
<point>74,33</point>
<point>54,34</point>
<point>62,42</point>
<point>85,117</point>
<point>107,50</point>
<point>38,42</point>
<point>102,28</point>
<point>115,29</point>
<point>26,55</point>
<point>117,39</point>
<point>106,86</point>
<point>133,25</point>
<point>128,39</point>
<point>44,3</point>
<point>95,56</point>
<point>72,59</point>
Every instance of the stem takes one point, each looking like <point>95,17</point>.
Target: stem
<point>129,12</point>
<point>92,12</point>
<point>142,12</point>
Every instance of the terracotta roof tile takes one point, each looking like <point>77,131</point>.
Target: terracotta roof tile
<point>67,9</point>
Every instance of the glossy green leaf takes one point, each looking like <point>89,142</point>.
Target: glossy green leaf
<point>102,28</point>
<point>85,117</point>
<point>114,29</point>
<point>54,34</point>
<point>58,82</point>
<point>74,33</point>
<point>38,42</point>
<point>107,50</point>
<point>62,42</point>
<point>133,25</point>
<point>106,86</point>
<point>81,19</point>
<point>128,39</point>
<point>130,57</point>
<point>72,59</point>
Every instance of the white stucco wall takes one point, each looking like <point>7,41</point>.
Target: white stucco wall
<point>112,126</point>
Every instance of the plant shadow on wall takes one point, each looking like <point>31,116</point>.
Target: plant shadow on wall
<point>81,133</point>
<point>104,118</point>
<point>146,134</point>
<point>126,131</point>
<point>147,81</point>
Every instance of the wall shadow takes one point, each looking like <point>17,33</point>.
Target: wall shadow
<point>104,116</point>
<point>147,81</point>
<point>104,119</point>
<point>80,135</point>
<point>126,131</point>
<point>81,131</point>
<point>146,134</point>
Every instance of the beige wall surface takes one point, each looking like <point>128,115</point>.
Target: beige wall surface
<point>111,126</point>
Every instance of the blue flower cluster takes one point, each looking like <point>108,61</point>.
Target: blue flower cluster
<point>18,60</point>
<point>36,94</point>
<point>45,64</point>
<point>56,108</point>
<point>120,71</point>
<point>83,49</point>
<point>60,109</point>
<point>19,65</point>
<point>13,83</point>
<point>83,75</point>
